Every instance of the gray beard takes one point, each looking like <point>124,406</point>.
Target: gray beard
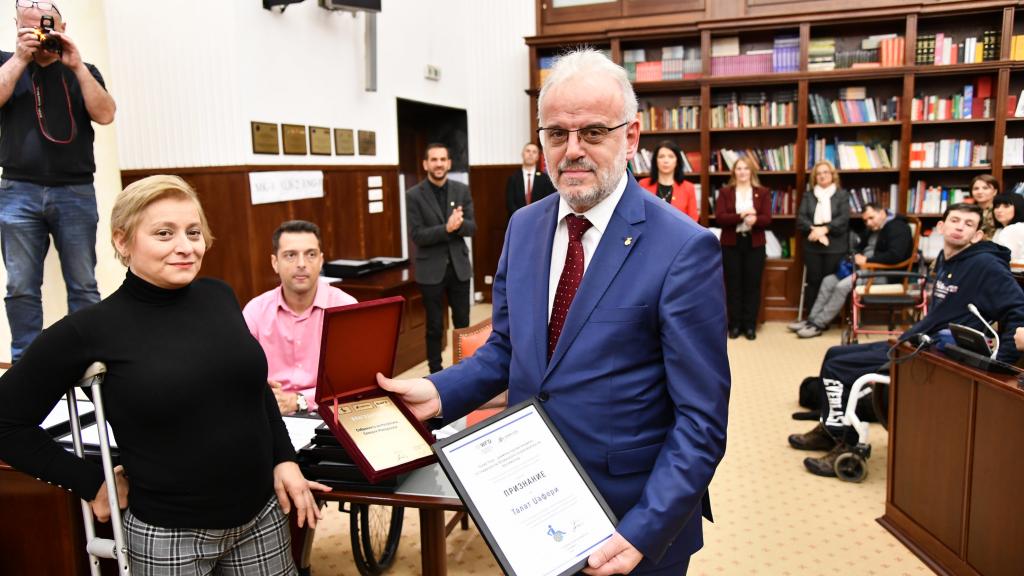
<point>606,183</point>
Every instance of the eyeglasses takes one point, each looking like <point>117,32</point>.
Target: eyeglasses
<point>555,136</point>
<point>292,257</point>
<point>44,6</point>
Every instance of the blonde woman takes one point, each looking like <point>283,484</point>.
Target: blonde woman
<point>744,211</point>
<point>209,465</point>
<point>824,220</point>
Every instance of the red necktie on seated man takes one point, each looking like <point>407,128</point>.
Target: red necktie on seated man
<point>529,187</point>
<point>569,281</point>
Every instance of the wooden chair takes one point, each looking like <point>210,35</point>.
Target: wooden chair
<point>906,291</point>
<point>465,342</point>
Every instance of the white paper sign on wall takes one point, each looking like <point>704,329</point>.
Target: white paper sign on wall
<point>267,187</point>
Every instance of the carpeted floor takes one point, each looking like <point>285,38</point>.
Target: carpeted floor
<point>772,517</point>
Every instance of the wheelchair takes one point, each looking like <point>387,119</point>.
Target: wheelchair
<point>851,464</point>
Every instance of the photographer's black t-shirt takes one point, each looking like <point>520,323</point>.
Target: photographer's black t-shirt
<point>25,153</point>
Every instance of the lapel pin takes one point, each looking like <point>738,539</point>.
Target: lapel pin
<point>628,241</point>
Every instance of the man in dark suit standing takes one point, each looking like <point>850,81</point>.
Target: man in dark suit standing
<point>528,184</point>
<point>440,213</point>
<point>609,309</point>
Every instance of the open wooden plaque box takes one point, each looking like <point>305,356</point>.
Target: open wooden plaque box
<point>373,425</point>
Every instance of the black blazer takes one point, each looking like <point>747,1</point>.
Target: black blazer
<point>515,190</point>
<point>435,247</point>
<point>838,228</point>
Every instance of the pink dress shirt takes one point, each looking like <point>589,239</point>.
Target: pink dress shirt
<point>290,341</point>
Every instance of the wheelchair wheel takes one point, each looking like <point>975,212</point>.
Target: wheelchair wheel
<point>375,531</point>
<point>851,467</point>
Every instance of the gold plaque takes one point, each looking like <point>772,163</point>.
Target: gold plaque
<point>264,138</point>
<point>367,143</point>
<point>319,141</point>
<point>382,432</point>
<point>294,139</point>
<point>344,142</point>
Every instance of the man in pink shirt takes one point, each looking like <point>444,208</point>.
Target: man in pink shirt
<point>287,321</point>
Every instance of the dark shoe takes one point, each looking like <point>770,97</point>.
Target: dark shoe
<point>436,369</point>
<point>809,415</point>
<point>734,332</point>
<point>825,465</point>
<point>816,439</point>
<point>751,334</point>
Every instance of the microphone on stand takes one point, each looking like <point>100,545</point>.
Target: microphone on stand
<point>974,310</point>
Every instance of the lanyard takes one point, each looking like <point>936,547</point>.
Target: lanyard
<point>39,111</point>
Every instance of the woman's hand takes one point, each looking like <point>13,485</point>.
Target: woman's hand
<point>292,487</point>
<point>750,220</point>
<point>101,503</point>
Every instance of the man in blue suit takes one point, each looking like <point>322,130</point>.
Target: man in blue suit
<point>627,355</point>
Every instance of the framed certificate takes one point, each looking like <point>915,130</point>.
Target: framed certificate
<point>533,502</point>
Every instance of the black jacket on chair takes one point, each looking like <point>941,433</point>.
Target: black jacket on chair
<point>894,245</point>
<point>435,247</point>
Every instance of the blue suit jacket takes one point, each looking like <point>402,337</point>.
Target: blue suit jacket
<point>639,382</point>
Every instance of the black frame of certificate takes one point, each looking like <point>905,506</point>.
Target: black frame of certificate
<point>471,507</point>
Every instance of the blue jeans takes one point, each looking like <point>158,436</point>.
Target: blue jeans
<point>29,214</point>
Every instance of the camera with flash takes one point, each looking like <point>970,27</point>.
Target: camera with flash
<point>44,32</point>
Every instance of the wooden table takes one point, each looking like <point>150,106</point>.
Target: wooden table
<point>426,489</point>
<point>953,493</point>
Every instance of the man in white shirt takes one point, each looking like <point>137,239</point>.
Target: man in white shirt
<point>529,184</point>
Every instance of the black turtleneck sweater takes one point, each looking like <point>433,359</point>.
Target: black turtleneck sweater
<point>197,427</point>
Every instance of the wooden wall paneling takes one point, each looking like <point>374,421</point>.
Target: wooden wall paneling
<point>936,407</point>
<point>645,7</point>
<point>348,208</point>
<point>995,484</point>
<point>551,15</point>
<point>488,189</point>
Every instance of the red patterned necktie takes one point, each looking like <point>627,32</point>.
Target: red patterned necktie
<point>569,281</point>
<point>529,187</point>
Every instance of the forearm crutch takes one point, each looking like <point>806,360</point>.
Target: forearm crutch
<point>99,547</point>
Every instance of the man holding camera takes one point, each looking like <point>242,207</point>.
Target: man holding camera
<point>49,98</point>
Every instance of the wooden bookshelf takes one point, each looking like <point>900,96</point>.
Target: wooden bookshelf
<point>757,25</point>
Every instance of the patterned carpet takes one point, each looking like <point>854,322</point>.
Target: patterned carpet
<point>773,518</point>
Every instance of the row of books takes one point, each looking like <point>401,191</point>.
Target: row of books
<point>949,153</point>
<point>672,69</point>
<point>643,161</point>
<point>685,115</point>
<point>860,154</point>
<point>1017,47</point>
<point>879,50</point>
<point>883,196</point>
<point>1013,151</point>
<point>753,109</point>
<point>783,200</point>
<point>544,64</point>
<point>974,101</point>
<point>771,159</point>
<point>728,60</point>
<point>852,111</point>
<point>925,199</point>
<point>940,49</point>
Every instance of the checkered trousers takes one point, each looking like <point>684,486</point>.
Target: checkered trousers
<point>260,547</point>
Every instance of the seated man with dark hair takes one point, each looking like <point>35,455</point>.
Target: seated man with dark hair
<point>288,320</point>
<point>967,271</point>
<point>886,239</point>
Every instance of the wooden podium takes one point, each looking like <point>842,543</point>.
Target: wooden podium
<point>953,493</point>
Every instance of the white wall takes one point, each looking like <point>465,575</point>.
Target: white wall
<point>223,64</point>
<point>86,25</point>
<point>189,75</point>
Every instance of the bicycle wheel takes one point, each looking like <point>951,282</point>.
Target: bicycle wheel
<point>375,532</point>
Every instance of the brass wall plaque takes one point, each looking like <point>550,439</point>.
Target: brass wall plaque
<point>265,138</point>
<point>344,142</point>
<point>367,143</point>
<point>319,141</point>
<point>294,138</point>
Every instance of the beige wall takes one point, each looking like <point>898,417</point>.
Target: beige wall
<point>87,26</point>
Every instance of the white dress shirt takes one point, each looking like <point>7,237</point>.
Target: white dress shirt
<point>599,216</point>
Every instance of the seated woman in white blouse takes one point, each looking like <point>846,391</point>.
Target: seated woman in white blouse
<point>1009,215</point>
